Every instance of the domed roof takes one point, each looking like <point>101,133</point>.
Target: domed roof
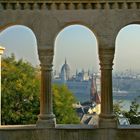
<point>65,67</point>
<point>65,71</point>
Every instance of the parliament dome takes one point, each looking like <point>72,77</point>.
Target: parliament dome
<point>65,71</point>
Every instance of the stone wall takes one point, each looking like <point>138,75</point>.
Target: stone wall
<point>67,133</point>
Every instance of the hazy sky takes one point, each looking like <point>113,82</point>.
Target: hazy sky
<point>21,41</point>
<point>128,49</point>
<point>78,45</point>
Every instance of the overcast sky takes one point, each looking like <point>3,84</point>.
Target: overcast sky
<point>78,45</point>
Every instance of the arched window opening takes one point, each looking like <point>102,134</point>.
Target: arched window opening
<point>126,76</point>
<point>76,69</point>
<point>20,76</point>
<point>21,41</point>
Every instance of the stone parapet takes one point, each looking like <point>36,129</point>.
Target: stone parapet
<point>67,133</point>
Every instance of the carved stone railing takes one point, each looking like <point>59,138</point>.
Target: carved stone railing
<point>69,4</point>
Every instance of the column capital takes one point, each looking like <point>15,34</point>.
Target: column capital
<point>1,50</point>
<point>46,58</point>
<point>106,56</point>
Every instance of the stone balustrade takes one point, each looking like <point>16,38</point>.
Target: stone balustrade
<point>64,132</point>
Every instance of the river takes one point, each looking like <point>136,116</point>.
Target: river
<point>127,99</point>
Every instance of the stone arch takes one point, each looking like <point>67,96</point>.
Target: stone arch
<point>67,25</point>
<point>126,59</point>
<point>7,26</point>
<point>73,52</point>
<point>22,24</point>
<point>80,23</point>
<point>122,24</point>
<point>26,29</point>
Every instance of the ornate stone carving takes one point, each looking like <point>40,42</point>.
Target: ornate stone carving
<point>70,4</point>
<point>46,58</point>
<point>106,56</point>
<point>1,50</point>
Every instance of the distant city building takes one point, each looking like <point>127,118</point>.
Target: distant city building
<point>65,72</point>
<point>79,84</point>
<point>85,87</point>
<point>94,96</point>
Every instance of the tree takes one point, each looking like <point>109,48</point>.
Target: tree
<point>133,114</point>
<point>20,92</point>
<point>63,100</point>
<point>117,109</point>
<point>20,95</point>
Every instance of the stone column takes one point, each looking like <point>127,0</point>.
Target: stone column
<point>106,118</point>
<point>46,117</point>
<point>1,52</point>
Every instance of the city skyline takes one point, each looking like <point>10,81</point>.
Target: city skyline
<point>78,45</point>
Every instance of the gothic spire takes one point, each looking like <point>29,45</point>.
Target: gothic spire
<point>65,61</point>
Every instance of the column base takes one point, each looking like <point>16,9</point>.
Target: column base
<point>46,121</point>
<point>107,121</point>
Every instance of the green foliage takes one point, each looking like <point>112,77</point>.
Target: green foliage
<point>20,95</point>
<point>20,89</point>
<point>133,114</point>
<point>63,100</point>
<point>117,109</point>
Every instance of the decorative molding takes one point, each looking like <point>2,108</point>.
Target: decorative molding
<point>69,4</point>
<point>1,50</point>
<point>46,58</point>
<point>106,56</point>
